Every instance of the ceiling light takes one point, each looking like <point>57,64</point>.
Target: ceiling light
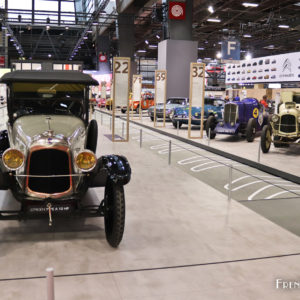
<point>248,56</point>
<point>79,47</point>
<point>220,43</point>
<point>85,37</point>
<point>152,46</point>
<point>47,27</point>
<point>283,26</point>
<point>95,23</point>
<point>49,55</point>
<point>210,9</point>
<point>247,35</point>
<point>207,58</point>
<point>141,51</point>
<point>89,31</point>
<point>157,36</point>
<point>218,55</point>
<point>248,4</point>
<point>4,27</point>
<point>297,4</point>
<point>67,27</point>
<point>200,48</point>
<point>213,20</point>
<point>8,34</point>
<point>146,41</point>
<point>11,39</point>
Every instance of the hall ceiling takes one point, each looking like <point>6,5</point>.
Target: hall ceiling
<point>261,23</point>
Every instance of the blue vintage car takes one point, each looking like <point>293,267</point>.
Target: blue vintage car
<point>212,107</point>
<point>246,117</point>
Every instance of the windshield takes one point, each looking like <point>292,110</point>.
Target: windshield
<point>48,98</point>
<point>180,101</point>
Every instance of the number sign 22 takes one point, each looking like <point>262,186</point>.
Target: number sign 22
<point>121,67</point>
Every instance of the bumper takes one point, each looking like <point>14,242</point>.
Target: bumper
<point>186,121</point>
<point>227,129</point>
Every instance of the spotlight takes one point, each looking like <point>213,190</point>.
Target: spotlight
<point>47,27</point>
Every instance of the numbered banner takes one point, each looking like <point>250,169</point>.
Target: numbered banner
<point>160,92</point>
<point>137,92</point>
<point>121,71</point>
<point>197,89</point>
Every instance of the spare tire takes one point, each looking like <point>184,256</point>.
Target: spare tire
<point>92,136</point>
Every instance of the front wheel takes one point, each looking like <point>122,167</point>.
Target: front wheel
<point>266,139</point>
<point>137,110</point>
<point>251,130</point>
<point>211,124</point>
<point>114,216</point>
<point>175,124</point>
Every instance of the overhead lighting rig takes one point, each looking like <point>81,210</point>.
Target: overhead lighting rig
<point>13,38</point>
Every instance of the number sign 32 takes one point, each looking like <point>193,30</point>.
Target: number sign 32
<point>198,71</point>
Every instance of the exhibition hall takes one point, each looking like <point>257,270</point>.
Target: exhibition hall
<point>149,150</point>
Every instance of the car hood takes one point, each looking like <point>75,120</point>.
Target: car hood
<point>31,128</point>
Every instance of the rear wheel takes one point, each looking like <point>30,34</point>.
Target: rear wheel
<point>266,139</point>
<point>92,136</point>
<point>211,124</point>
<point>175,124</point>
<point>251,130</point>
<point>137,110</point>
<point>114,216</point>
<point>152,118</point>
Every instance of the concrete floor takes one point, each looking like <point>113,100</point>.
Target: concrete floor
<point>183,240</point>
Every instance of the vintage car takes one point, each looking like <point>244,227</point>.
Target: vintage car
<point>212,107</point>
<point>284,127</point>
<point>171,103</point>
<point>101,102</point>
<point>246,117</point>
<point>147,100</point>
<point>48,152</point>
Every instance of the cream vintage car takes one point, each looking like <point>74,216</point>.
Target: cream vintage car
<point>48,152</point>
<point>284,127</point>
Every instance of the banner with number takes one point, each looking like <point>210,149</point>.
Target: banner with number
<point>136,87</point>
<point>121,71</point>
<point>197,84</point>
<point>160,86</point>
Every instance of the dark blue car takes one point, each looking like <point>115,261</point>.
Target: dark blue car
<point>246,117</point>
<point>212,107</point>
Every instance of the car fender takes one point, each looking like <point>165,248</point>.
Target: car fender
<point>113,167</point>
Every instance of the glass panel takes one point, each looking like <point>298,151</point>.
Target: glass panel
<point>26,66</point>
<point>36,66</point>
<point>57,67</point>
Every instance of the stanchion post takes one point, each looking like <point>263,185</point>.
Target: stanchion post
<point>258,155</point>
<point>209,132</point>
<point>101,118</point>
<point>229,192</point>
<point>170,149</point>
<point>110,120</point>
<point>50,284</point>
<point>177,127</point>
<point>141,138</point>
<point>122,129</point>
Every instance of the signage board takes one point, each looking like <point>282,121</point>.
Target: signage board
<point>160,92</point>
<point>197,89</point>
<point>274,68</point>
<point>176,10</point>
<point>231,49</point>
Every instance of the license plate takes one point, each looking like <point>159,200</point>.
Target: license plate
<point>43,209</point>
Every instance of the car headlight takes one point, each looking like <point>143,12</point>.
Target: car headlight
<point>275,118</point>
<point>86,160</point>
<point>13,159</point>
<point>232,123</point>
<point>171,115</point>
<point>298,119</point>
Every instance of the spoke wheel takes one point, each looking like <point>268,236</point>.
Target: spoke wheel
<point>266,139</point>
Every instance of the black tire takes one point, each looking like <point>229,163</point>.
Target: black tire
<point>175,124</point>
<point>114,215</point>
<point>137,110</point>
<point>251,130</point>
<point>152,118</point>
<point>123,110</point>
<point>211,123</point>
<point>92,136</point>
<point>266,139</point>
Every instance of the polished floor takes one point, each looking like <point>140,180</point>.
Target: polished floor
<point>183,240</point>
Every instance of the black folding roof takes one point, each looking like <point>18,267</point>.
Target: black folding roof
<point>51,76</point>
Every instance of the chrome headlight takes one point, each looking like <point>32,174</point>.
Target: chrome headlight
<point>86,160</point>
<point>13,159</point>
<point>275,118</point>
<point>232,123</point>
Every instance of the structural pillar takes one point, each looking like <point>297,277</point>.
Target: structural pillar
<point>125,33</point>
<point>103,49</point>
<point>176,53</point>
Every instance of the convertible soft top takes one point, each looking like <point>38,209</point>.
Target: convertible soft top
<point>50,76</point>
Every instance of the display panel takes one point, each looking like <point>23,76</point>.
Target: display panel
<point>274,68</point>
<point>160,92</point>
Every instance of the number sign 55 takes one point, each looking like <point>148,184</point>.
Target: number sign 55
<point>160,76</point>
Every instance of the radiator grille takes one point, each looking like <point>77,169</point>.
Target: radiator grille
<point>230,111</point>
<point>288,123</point>
<point>49,162</point>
